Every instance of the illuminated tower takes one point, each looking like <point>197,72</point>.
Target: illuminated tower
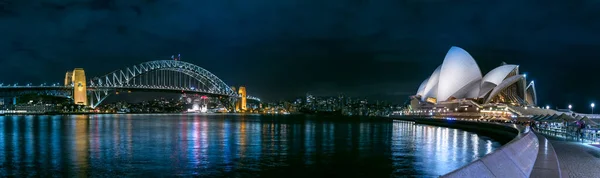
<point>242,93</point>
<point>236,104</point>
<point>69,78</point>
<point>79,87</point>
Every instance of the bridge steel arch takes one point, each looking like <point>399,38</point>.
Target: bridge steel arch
<point>164,75</point>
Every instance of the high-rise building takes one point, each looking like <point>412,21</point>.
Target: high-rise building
<point>309,98</point>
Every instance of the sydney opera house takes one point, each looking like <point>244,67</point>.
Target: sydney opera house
<point>458,83</point>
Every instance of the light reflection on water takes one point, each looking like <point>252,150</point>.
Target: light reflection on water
<point>436,150</point>
<point>230,145</point>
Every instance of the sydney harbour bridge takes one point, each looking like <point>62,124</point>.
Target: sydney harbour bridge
<point>171,76</point>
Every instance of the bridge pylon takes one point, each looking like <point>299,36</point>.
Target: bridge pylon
<point>76,79</point>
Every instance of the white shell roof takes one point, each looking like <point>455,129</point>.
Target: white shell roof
<point>459,76</point>
<point>509,81</point>
<point>470,90</point>
<point>422,87</point>
<point>494,78</point>
<point>458,70</point>
<point>531,87</point>
<point>497,75</point>
<point>430,89</point>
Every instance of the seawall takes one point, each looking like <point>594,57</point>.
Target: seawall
<point>516,158</point>
<point>499,132</point>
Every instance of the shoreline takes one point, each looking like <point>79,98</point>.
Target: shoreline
<point>165,113</point>
<point>499,132</point>
<point>527,154</point>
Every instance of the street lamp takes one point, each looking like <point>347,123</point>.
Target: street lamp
<point>547,107</point>
<point>570,107</point>
<point>593,105</point>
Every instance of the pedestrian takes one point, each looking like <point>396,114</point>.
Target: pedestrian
<point>581,128</point>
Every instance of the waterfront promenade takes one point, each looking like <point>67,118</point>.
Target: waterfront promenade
<point>576,159</point>
<point>528,154</point>
<point>559,155</point>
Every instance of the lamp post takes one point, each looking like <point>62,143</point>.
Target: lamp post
<point>593,105</point>
<point>570,107</point>
<point>547,107</point>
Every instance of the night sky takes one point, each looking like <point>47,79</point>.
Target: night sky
<point>279,49</point>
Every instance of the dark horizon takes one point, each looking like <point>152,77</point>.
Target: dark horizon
<point>284,49</point>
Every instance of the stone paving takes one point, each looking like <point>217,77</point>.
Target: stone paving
<point>576,159</point>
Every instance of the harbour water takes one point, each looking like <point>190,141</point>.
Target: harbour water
<point>231,146</point>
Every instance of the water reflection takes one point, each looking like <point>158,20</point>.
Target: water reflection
<point>435,151</point>
<point>230,146</point>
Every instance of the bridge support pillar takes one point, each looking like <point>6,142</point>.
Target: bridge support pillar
<point>76,78</point>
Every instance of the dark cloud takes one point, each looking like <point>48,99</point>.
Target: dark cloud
<point>284,48</point>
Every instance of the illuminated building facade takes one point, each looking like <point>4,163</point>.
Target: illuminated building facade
<point>241,105</point>
<point>459,79</point>
<point>77,79</point>
<point>242,102</point>
<point>69,78</point>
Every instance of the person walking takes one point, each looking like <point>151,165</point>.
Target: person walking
<point>578,130</point>
<point>582,129</point>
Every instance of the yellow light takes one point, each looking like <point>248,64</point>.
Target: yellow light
<point>78,78</point>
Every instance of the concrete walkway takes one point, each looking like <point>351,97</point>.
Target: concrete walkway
<point>576,159</point>
<point>546,164</point>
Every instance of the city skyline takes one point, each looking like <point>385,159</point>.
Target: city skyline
<point>379,50</point>
<point>302,88</point>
